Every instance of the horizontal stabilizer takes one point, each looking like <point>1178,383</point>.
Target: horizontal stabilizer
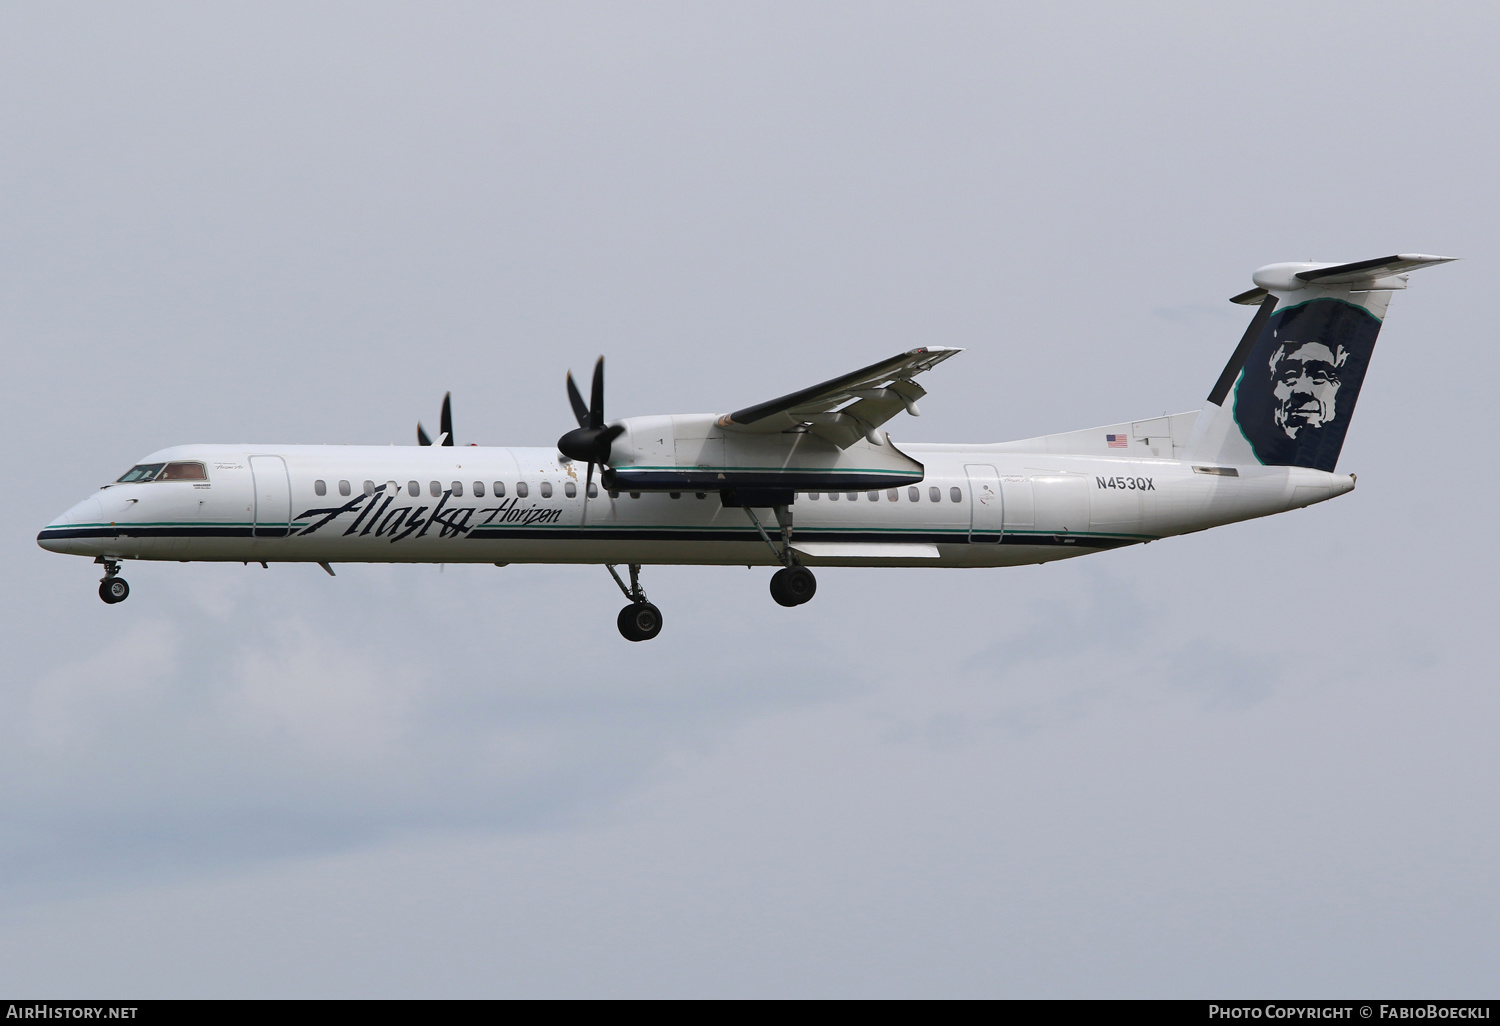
<point>1377,275</point>
<point>1370,270</point>
<point>1381,274</point>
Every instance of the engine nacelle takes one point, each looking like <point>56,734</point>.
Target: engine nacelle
<point>692,453</point>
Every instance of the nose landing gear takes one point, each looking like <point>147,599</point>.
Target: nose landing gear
<point>112,588</point>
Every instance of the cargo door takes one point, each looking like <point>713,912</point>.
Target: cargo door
<point>1062,503</point>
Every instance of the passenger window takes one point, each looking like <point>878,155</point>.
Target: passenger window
<point>413,489</point>
<point>833,496</point>
<point>875,495</point>
<point>635,495</point>
<point>593,490</point>
<point>458,489</point>
<point>893,494</point>
<point>546,489</point>
<point>320,488</point>
<point>140,474</point>
<point>955,494</point>
<point>369,487</point>
<point>700,495</point>
<point>478,489</point>
<point>570,489</point>
<point>674,495</point>
<point>852,496</point>
<point>521,490</point>
<point>935,494</point>
<point>392,488</point>
<point>914,493</point>
<point>184,472</point>
<point>614,494</point>
<point>434,488</point>
<point>499,489</point>
<point>344,488</point>
<point>813,496</point>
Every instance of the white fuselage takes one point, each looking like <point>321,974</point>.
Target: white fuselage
<point>978,506</point>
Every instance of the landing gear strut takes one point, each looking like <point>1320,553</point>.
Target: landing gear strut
<point>794,583</point>
<point>639,621</point>
<point>112,588</point>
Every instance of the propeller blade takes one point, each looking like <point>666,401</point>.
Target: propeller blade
<point>590,442</point>
<point>580,411</point>
<point>588,482</point>
<point>445,425</point>
<point>596,397</point>
<point>422,438</point>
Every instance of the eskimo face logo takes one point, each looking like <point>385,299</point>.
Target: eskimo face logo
<point>1306,377</point>
<point>1301,379</point>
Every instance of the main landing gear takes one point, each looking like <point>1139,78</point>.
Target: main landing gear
<point>112,588</point>
<point>639,621</point>
<point>794,583</point>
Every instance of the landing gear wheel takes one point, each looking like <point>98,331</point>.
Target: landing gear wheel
<point>114,589</point>
<point>793,585</point>
<point>639,621</point>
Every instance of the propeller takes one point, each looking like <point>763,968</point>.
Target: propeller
<point>589,442</point>
<point>445,424</point>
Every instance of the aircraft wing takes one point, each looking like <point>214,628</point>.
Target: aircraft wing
<point>847,408</point>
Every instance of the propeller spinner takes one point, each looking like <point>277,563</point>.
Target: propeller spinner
<point>590,441</point>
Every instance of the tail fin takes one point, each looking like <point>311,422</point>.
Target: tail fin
<point>1287,394</point>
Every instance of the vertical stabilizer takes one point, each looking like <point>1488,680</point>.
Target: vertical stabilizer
<point>1288,393</point>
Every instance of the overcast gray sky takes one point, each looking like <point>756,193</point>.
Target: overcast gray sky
<point>1257,761</point>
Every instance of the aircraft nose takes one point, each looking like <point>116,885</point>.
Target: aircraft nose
<point>61,535</point>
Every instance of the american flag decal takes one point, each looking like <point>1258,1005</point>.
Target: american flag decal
<point>1117,441</point>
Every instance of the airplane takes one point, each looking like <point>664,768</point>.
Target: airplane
<point>806,480</point>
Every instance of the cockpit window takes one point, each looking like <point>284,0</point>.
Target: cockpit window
<point>143,472</point>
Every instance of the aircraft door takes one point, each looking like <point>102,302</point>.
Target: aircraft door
<point>1062,503</point>
<point>986,507</point>
<point>1020,505</point>
<point>273,497</point>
